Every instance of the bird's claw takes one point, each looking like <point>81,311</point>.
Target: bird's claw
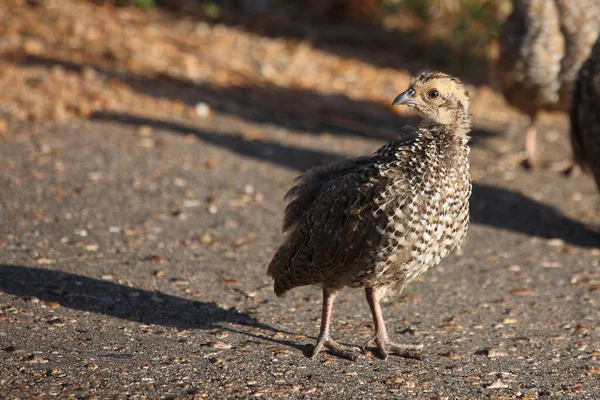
<point>337,349</point>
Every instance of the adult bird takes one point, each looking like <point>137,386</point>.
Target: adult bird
<point>543,44</point>
<point>585,115</point>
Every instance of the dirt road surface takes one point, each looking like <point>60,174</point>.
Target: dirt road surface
<point>138,216</point>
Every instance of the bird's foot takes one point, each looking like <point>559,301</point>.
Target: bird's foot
<point>523,159</point>
<point>337,349</point>
<point>387,347</point>
<point>569,168</point>
<point>532,162</point>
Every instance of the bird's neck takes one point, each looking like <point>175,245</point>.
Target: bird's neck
<point>457,128</point>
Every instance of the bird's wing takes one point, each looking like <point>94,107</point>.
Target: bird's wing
<point>309,184</point>
<point>585,112</point>
<point>333,220</point>
<point>579,22</point>
<point>334,232</point>
<point>531,48</point>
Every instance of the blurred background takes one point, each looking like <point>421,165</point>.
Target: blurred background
<point>316,65</point>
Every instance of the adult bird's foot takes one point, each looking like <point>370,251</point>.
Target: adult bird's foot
<point>532,162</point>
<point>524,160</point>
<point>337,349</point>
<point>569,168</point>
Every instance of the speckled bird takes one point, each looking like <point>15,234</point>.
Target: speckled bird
<point>585,115</point>
<point>542,46</point>
<point>379,221</point>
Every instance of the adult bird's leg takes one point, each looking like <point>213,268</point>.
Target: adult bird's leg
<point>324,340</point>
<point>533,157</point>
<point>384,344</point>
<point>568,167</point>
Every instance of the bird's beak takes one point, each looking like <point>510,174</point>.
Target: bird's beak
<point>405,98</point>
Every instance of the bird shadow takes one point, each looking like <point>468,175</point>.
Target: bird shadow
<point>264,150</point>
<point>504,209</point>
<point>97,296</point>
<point>302,110</point>
<point>490,205</point>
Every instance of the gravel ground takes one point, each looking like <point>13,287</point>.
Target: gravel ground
<point>133,265</point>
<point>143,161</point>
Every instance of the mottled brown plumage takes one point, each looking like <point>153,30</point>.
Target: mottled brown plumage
<point>379,221</point>
<point>542,47</point>
<point>585,115</point>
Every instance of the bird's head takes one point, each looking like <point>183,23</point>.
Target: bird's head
<point>440,98</point>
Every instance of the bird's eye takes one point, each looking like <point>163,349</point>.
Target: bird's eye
<point>433,94</point>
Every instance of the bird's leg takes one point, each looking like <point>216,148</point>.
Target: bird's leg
<point>324,340</point>
<point>568,167</point>
<point>533,158</point>
<point>384,344</point>
<point>529,156</point>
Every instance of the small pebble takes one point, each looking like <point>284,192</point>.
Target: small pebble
<point>452,355</point>
<point>95,176</point>
<point>593,369</point>
<point>144,130</point>
<point>205,239</point>
<point>51,304</point>
<point>91,366</point>
<point>56,322</point>
<point>556,242</point>
<point>191,203</point>
<point>551,264</point>
<point>147,143</point>
<point>497,385</point>
<point>231,282</point>
<point>211,164</point>
<point>154,258</point>
<point>45,261</point>
<point>91,247</point>
<point>179,182</point>
<point>35,359</point>
<point>202,110</point>
<point>521,292</point>
<point>492,353</point>
<point>220,345</point>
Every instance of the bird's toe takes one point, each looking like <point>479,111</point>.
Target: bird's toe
<point>413,351</point>
<point>337,349</point>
